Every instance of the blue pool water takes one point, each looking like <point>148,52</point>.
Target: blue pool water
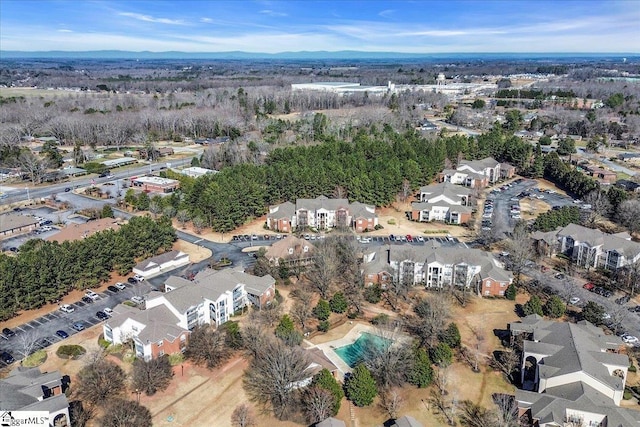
<point>366,345</point>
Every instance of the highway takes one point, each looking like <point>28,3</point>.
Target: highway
<point>25,191</point>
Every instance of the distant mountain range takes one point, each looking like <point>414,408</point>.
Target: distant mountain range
<point>304,55</point>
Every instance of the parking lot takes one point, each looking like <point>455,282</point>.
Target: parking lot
<point>41,332</point>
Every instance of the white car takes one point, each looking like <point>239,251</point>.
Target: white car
<point>574,300</point>
<point>138,278</point>
<point>420,239</point>
<point>137,299</point>
<point>120,286</point>
<point>108,311</point>
<point>92,295</point>
<point>67,308</point>
<point>46,228</point>
<point>516,216</point>
<point>629,339</point>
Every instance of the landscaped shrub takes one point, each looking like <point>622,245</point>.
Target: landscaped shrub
<point>103,343</point>
<point>35,359</point>
<point>323,326</point>
<point>380,319</point>
<point>70,351</point>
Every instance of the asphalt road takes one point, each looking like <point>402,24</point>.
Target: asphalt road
<point>21,193</point>
<point>625,320</point>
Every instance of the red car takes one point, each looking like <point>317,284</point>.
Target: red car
<point>409,238</point>
<point>589,286</point>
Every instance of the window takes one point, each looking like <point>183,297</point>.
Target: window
<point>502,285</point>
<point>183,338</point>
<point>161,353</point>
<point>290,251</point>
<point>160,343</point>
<point>487,293</point>
<point>488,285</point>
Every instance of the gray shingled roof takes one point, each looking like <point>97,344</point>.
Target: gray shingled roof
<point>160,259</point>
<point>13,221</point>
<point>331,422</point>
<point>596,237</point>
<point>160,323</point>
<point>445,188</point>
<point>551,406</point>
<point>571,347</point>
<point>22,389</point>
<point>360,210</point>
<point>406,421</point>
<point>211,284</point>
<point>322,202</point>
<point>283,210</point>
<point>487,162</point>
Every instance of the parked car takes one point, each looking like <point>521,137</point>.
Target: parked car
<point>92,295</point>
<point>629,339</point>
<point>121,286</point>
<point>78,326</point>
<point>108,311</point>
<point>67,308</point>
<point>574,300</point>
<point>101,315</point>
<point>559,276</point>
<point>87,300</point>
<point>62,334</point>
<point>420,239</point>
<point>7,357</point>
<point>132,280</point>
<point>137,299</point>
<point>409,238</point>
<point>67,189</point>
<point>8,333</point>
<point>623,300</point>
<point>113,288</point>
<point>138,278</point>
<point>392,238</point>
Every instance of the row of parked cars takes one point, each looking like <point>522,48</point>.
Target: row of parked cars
<point>598,290</point>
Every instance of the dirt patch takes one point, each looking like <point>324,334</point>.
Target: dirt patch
<point>531,208</point>
<point>196,253</point>
<point>548,185</point>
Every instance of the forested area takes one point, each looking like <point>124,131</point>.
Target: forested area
<point>374,168</point>
<point>557,218</point>
<point>567,177</point>
<point>45,271</point>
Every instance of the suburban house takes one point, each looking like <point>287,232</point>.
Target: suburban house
<point>331,422</point>
<point>436,266</point>
<point>290,251</point>
<point>11,223</point>
<point>321,213</point>
<point>442,202</point>
<point>212,297</point>
<point>75,231</point>
<point>488,167</point>
<point>155,184</point>
<point>155,331</point>
<point>603,175</point>
<point>571,373</point>
<point>592,248</point>
<point>161,263</point>
<point>28,389</point>
<point>627,185</point>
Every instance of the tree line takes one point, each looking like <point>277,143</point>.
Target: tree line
<point>373,168</point>
<point>43,271</point>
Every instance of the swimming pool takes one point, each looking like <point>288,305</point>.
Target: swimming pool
<point>365,346</point>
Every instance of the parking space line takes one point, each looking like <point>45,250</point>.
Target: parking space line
<point>36,320</point>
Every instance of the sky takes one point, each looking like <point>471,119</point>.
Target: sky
<point>588,26</point>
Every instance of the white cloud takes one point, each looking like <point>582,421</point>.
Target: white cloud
<point>206,20</point>
<point>386,13</point>
<point>149,18</point>
<point>64,30</point>
<point>273,13</point>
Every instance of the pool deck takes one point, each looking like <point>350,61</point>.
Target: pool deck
<point>349,338</point>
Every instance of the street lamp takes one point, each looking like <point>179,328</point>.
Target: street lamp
<point>28,198</point>
<point>137,392</point>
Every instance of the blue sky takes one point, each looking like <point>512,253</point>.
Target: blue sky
<point>279,26</point>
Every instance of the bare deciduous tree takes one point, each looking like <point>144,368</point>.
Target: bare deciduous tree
<point>100,380</point>
<point>520,249</point>
<point>302,309</point>
<point>273,375</point>
<point>242,416</point>
<point>153,375</point>
<point>207,346</point>
<point>391,401</point>
<point>318,404</point>
<point>600,206</point>
<point>323,271</point>
<point>432,314</point>
<point>629,214</point>
<point>125,413</point>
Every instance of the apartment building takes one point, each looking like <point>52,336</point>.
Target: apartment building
<point>213,296</point>
<point>321,213</point>
<point>590,248</point>
<point>436,266</point>
<point>442,202</point>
